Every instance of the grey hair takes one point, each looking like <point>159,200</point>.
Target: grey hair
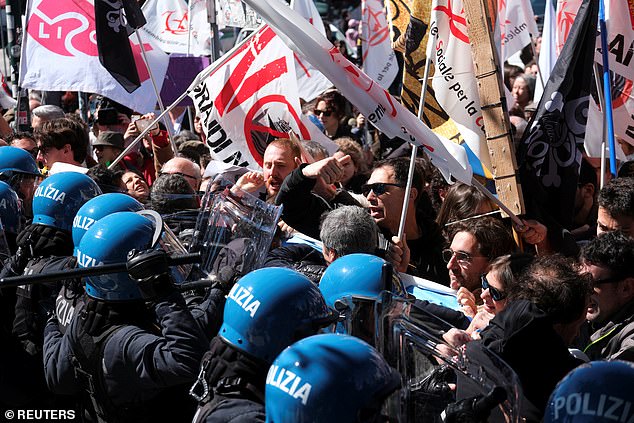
<point>349,229</point>
<point>48,112</point>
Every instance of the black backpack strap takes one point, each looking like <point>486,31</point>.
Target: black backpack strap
<point>87,364</point>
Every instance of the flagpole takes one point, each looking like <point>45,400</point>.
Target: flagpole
<point>607,89</point>
<point>166,120</point>
<point>597,82</point>
<point>199,78</point>
<point>189,26</point>
<point>412,159</point>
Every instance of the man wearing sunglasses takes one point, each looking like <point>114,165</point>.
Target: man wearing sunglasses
<point>609,259</point>
<point>385,191</point>
<point>185,168</point>
<point>474,244</point>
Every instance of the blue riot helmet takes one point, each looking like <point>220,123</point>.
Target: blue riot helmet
<point>99,207</point>
<point>599,391</point>
<point>15,161</point>
<point>19,169</point>
<point>268,309</point>
<point>328,378</point>
<point>58,198</point>
<point>9,209</point>
<point>351,284</point>
<point>108,241</point>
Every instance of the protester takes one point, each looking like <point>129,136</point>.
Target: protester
<point>185,168</point>
<point>44,113</point>
<point>108,147</point>
<point>616,207</point>
<point>385,191</point>
<point>330,109</point>
<point>62,140</point>
<point>136,186</point>
<point>25,141</point>
<point>609,259</point>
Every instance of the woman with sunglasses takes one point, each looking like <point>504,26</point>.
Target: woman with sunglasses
<point>330,109</point>
<point>502,275</point>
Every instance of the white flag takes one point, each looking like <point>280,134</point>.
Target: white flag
<point>379,60</point>
<point>168,24</point>
<point>548,51</point>
<point>310,82</point>
<point>619,16</point>
<point>59,53</point>
<point>517,25</point>
<point>376,104</point>
<point>249,100</point>
<point>454,82</point>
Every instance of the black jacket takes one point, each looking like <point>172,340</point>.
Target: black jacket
<point>302,208</point>
<point>301,257</point>
<point>523,336</point>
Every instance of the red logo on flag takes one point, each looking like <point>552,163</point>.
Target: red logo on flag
<point>175,25</point>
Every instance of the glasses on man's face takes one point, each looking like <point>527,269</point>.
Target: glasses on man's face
<point>184,175</point>
<point>377,188</point>
<point>326,113</point>
<point>461,257</point>
<point>612,279</point>
<point>496,294</point>
<point>33,152</point>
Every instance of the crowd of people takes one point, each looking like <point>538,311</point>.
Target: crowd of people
<point>305,335</point>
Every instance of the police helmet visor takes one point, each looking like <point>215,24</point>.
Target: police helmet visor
<point>165,239</point>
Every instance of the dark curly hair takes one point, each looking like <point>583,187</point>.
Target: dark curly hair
<point>617,197</point>
<point>494,239</point>
<point>556,285</point>
<point>613,250</point>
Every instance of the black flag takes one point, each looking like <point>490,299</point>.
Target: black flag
<point>549,155</point>
<point>115,52</point>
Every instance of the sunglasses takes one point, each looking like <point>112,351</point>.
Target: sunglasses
<point>377,188</point>
<point>496,294</point>
<point>184,175</point>
<point>326,113</point>
<point>461,257</point>
<point>612,279</point>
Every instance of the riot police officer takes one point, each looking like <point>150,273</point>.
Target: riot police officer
<point>135,347</point>
<point>267,310</point>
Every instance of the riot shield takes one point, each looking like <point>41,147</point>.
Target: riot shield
<point>5,252</point>
<point>233,233</point>
<point>165,239</point>
<point>436,375</point>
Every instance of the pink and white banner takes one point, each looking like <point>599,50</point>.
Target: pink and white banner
<point>379,60</point>
<point>168,24</point>
<point>374,102</point>
<point>59,53</point>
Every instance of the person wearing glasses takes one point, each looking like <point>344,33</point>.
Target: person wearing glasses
<point>330,109</point>
<point>474,244</point>
<point>25,141</point>
<point>185,168</point>
<point>609,259</point>
<point>385,191</point>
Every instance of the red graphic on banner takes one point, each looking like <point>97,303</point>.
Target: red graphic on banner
<point>175,25</point>
<point>454,21</point>
<point>65,27</point>
<point>252,126</point>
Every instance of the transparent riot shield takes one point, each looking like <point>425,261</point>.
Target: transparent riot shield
<point>165,239</point>
<point>5,252</point>
<point>233,234</point>
<point>435,374</point>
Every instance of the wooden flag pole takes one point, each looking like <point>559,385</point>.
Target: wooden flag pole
<point>494,109</point>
